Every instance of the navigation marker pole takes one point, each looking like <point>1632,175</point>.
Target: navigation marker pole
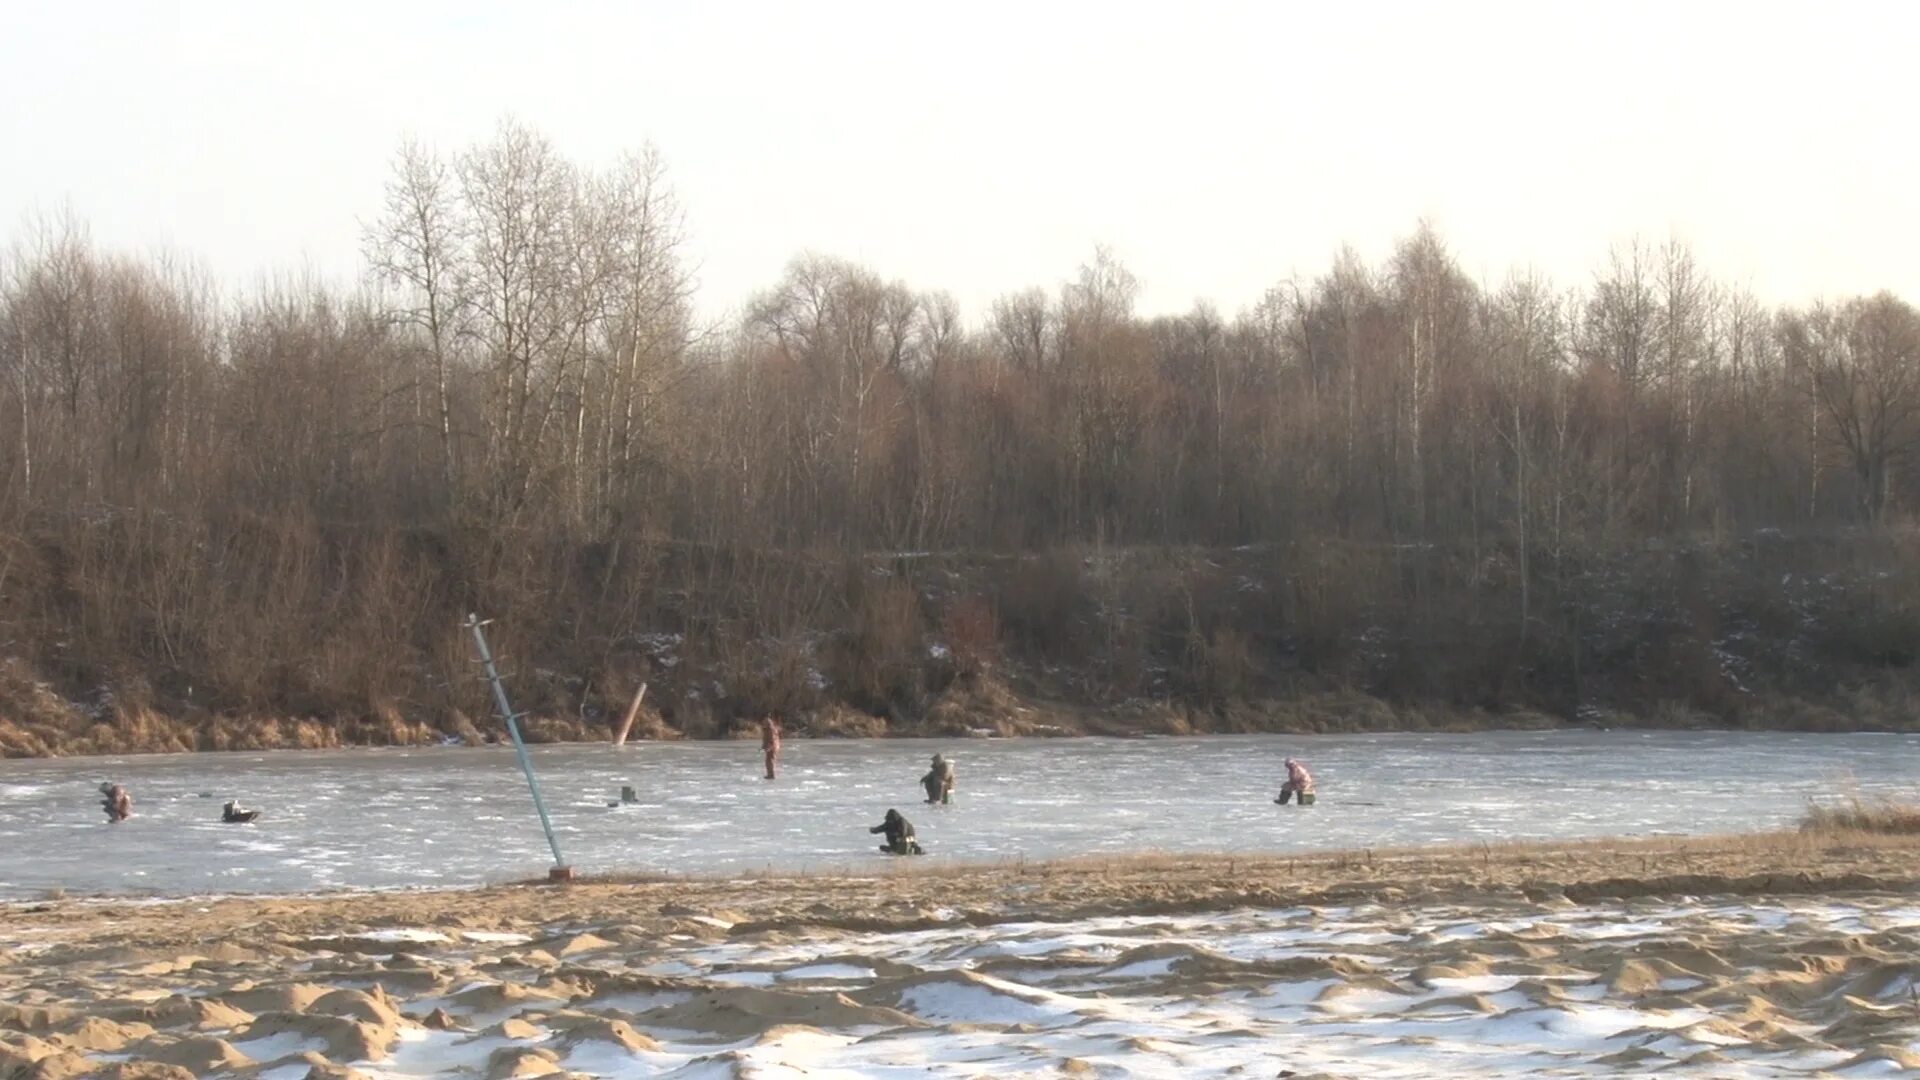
<point>561,871</point>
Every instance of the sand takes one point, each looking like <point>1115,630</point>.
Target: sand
<point>1783,954</point>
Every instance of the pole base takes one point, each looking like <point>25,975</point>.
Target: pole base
<point>560,873</point>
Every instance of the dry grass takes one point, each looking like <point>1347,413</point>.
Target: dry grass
<point>912,894</point>
<point>1653,849</point>
<point>1863,815</point>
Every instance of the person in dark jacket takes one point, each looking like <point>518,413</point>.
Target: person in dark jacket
<point>899,832</point>
<point>770,742</point>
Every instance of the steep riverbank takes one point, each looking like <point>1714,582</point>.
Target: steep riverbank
<point>977,712</point>
<point>1766,632</point>
<point>58,729</point>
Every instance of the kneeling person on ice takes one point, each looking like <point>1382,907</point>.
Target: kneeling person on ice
<point>899,832</point>
<point>1299,782</point>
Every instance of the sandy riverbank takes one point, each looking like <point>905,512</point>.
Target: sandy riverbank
<point>1780,951</point>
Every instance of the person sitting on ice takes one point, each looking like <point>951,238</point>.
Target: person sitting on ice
<point>234,813</point>
<point>899,832</point>
<point>116,802</point>
<point>1299,782</point>
<point>939,780</point>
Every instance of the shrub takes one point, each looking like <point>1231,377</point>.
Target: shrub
<point>1862,815</point>
<point>971,632</point>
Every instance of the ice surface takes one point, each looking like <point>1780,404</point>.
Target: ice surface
<point>453,816</point>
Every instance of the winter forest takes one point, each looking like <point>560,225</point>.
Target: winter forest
<point>1385,495</point>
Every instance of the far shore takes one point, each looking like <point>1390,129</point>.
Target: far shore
<point>1462,725</point>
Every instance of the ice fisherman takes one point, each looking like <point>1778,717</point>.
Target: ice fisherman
<point>115,800</point>
<point>899,832</point>
<point>939,780</point>
<point>770,741</point>
<point>235,814</point>
<point>1299,782</point>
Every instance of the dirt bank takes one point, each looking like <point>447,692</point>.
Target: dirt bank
<point>1766,633</point>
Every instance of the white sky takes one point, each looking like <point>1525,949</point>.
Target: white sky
<point>983,147</point>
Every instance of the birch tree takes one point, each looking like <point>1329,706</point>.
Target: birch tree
<point>415,246</point>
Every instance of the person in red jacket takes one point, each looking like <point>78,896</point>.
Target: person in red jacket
<point>1299,782</point>
<point>770,741</point>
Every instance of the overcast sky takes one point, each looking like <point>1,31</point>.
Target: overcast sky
<point>984,147</point>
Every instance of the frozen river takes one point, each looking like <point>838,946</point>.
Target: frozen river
<point>442,817</point>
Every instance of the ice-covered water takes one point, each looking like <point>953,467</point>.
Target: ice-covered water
<point>441,817</point>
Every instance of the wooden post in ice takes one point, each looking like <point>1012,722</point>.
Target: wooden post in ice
<point>633,713</point>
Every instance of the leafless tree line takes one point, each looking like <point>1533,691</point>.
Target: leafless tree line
<point>524,349</point>
<point>522,359</point>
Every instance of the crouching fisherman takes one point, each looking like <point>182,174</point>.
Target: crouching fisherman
<point>1299,782</point>
<point>115,800</point>
<point>899,832</point>
<point>234,814</point>
<point>939,780</point>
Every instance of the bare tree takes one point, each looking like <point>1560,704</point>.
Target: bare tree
<point>1620,331</point>
<point>1431,295</point>
<point>1528,334</point>
<point>415,245</point>
<point>1863,363</point>
<point>649,322</point>
<point>522,274</point>
<point>1683,318</point>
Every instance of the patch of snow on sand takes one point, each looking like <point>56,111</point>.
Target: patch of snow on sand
<point>986,1002</point>
<point>741,978</point>
<point>394,935</point>
<point>825,972</point>
<point>489,937</point>
<point>1494,990</point>
<point>274,1047</point>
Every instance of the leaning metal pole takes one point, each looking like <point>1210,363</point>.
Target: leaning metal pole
<point>561,871</point>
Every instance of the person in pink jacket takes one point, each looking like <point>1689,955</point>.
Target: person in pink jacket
<point>1299,782</point>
